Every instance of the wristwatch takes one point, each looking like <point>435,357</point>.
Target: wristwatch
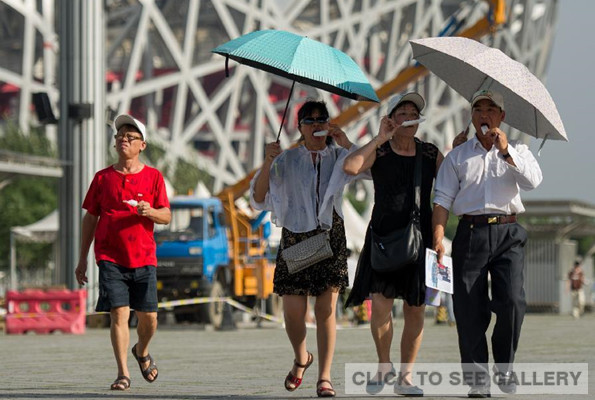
<point>507,155</point>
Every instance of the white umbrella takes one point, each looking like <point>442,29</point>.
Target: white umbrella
<point>468,66</point>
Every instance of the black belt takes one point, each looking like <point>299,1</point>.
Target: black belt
<point>490,219</point>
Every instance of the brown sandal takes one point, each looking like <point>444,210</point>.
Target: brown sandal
<point>292,379</point>
<point>122,382</point>
<point>152,366</point>
<point>322,391</point>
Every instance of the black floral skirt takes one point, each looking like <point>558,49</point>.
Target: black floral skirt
<point>317,278</point>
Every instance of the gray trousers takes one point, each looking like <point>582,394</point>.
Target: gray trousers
<point>479,249</point>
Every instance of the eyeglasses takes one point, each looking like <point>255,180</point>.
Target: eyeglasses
<point>128,137</point>
<point>403,114</point>
<point>310,121</point>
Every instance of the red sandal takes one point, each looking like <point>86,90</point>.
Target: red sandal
<point>323,391</point>
<point>291,379</point>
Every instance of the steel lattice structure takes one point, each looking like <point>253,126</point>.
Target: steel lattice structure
<point>159,66</point>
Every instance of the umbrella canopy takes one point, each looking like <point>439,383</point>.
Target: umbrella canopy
<point>468,66</point>
<point>300,59</point>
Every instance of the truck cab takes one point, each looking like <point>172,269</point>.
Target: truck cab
<point>191,250</point>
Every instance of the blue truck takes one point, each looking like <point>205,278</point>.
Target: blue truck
<point>210,250</point>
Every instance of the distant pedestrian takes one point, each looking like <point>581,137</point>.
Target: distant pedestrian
<point>576,279</point>
<point>123,203</point>
<point>445,312</point>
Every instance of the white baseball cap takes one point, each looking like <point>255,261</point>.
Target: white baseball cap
<point>125,119</point>
<point>413,97</point>
<point>487,94</point>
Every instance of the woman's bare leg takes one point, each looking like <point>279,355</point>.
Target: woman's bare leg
<point>411,339</point>
<point>326,331</point>
<point>294,309</point>
<point>381,326</point>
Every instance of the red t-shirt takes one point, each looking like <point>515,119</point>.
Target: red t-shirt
<point>577,279</point>
<point>122,236</point>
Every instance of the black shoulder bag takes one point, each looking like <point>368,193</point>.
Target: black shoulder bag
<point>393,252</point>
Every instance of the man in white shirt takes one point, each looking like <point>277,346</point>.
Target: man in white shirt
<point>480,180</point>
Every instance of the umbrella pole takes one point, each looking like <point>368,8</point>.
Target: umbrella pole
<point>285,111</point>
<point>541,145</point>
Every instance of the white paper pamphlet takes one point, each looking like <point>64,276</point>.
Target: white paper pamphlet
<point>438,276</point>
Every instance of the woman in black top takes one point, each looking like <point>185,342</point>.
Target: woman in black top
<point>391,158</point>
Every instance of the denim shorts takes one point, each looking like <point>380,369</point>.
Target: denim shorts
<point>120,286</point>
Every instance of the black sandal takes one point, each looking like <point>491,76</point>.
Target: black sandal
<point>322,391</point>
<point>152,366</point>
<point>122,382</point>
<point>292,379</point>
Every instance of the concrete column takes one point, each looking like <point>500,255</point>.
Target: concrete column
<point>82,132</point>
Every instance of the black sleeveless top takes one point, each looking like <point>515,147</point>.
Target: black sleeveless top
<point>393,177</point>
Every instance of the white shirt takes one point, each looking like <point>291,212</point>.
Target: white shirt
<point>475,181</point>
<point>292,188</point>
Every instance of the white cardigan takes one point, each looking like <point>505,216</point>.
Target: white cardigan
<point>292,188</point>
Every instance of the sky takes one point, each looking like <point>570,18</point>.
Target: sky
<point>569,167</point>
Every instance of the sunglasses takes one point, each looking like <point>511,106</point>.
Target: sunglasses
<point>310,121</point>
<point>128,137</point>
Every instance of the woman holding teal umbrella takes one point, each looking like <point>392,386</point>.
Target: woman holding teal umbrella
<point>292,184</point>
<point>296,185</point>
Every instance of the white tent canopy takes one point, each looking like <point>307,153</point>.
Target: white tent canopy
<point>44,230</point>
<point>355,226</point>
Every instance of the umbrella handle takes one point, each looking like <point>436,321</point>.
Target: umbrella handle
<point>541,145</point>
<point>467,127</point>
<point>285,111</point>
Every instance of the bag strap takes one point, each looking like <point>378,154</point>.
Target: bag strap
<point>417,179</point>
<point>318,162</point>
<point>318,166</point>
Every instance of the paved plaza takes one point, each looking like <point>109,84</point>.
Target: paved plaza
<point>249,362</point>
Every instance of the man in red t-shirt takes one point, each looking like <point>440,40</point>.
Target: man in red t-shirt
<point>123,203</point>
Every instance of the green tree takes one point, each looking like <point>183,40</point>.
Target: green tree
<point>26,199</point>
<point>585,244</point>
<point>184,177</point>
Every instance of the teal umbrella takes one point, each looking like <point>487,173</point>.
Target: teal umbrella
<point>300,59</point>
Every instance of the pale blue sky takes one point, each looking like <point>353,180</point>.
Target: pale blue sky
<point>569,168</point>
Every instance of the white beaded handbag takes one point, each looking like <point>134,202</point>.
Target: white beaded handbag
<point>308,252</point>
